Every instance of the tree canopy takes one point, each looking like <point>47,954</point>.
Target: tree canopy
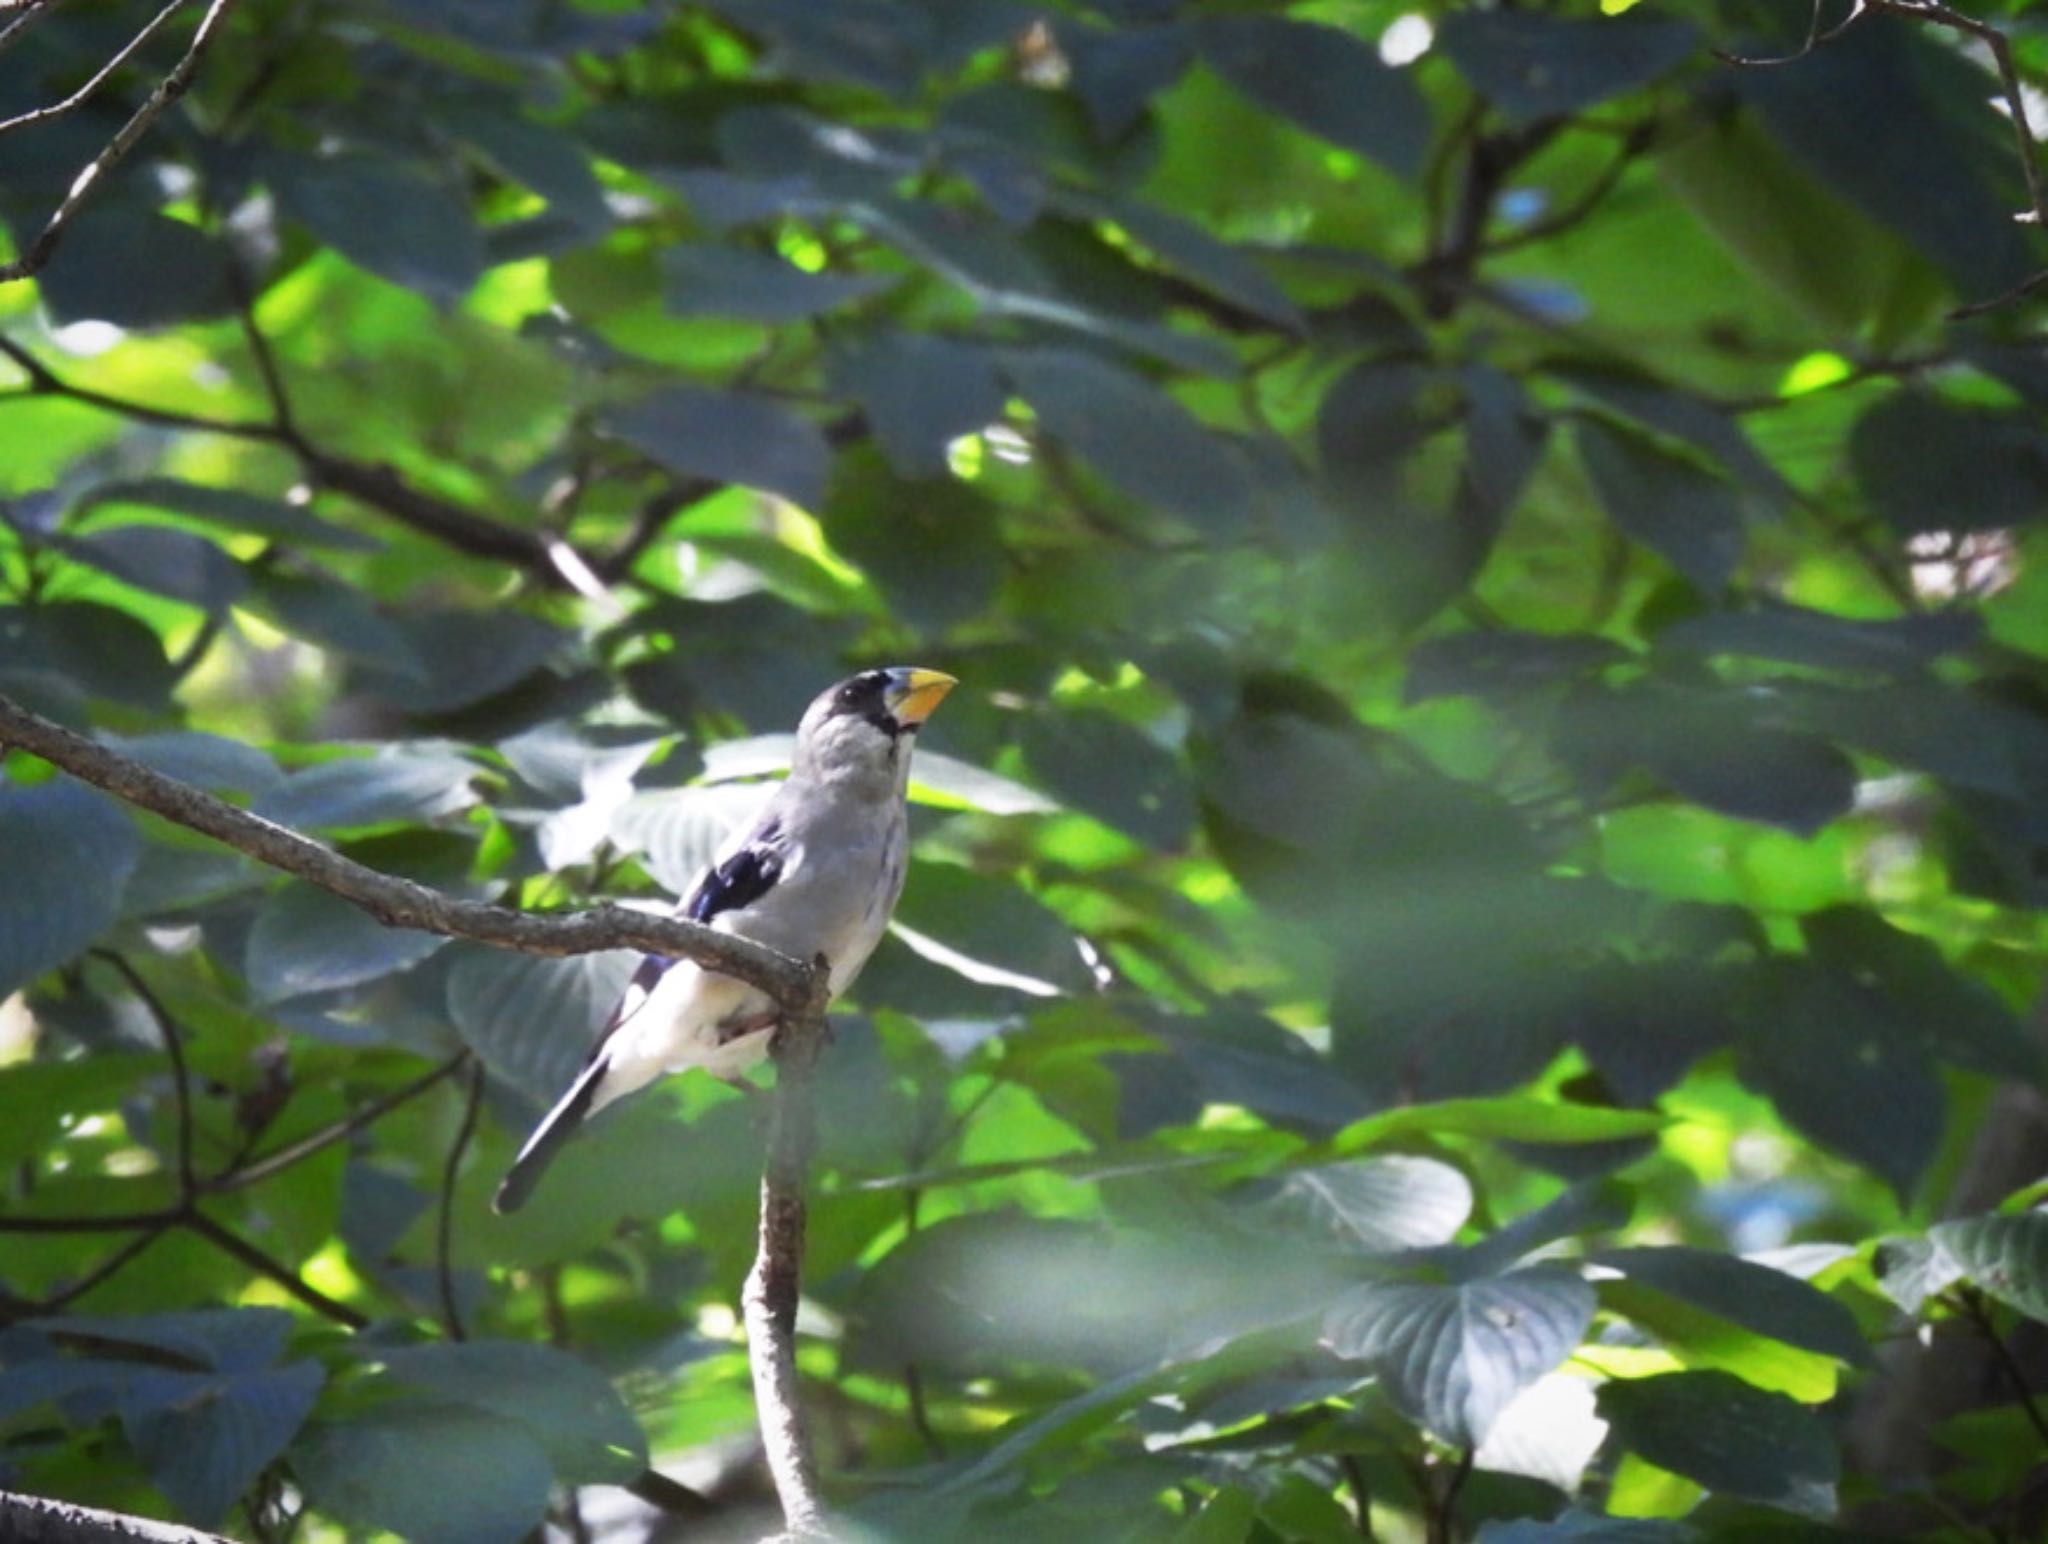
<point>1468,969</point>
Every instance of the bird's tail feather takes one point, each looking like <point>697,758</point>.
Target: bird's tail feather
<point>556,1127</point>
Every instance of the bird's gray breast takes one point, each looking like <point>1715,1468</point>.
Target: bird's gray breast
<point>842,874</point>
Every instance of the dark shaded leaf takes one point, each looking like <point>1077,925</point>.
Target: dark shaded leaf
<point>1535,65</point>
<point>1798,635</point>
<point>1715,1429</point>
<point>1323,79</point>
<point>1835,1057</point>
<point>383,215</point>
<point>1116,73</point>
<point>1455,1355</point>
<point>1757,1297</point>
<point>69,851</point>
<point>1577,1527</point>
<point>306,940</point>
<point>465,657</point>
<point>234,510</point>
<point>433,1473</point>
<point>567,1406</point>
<point>1137,436</point>
<point>989,922</point>
<point>532,154</point>
<point>732,437</point>
<point>860,42</point>
<point>1503,665</point>
<point>1927,464</point>
<point>1687,515</point>
<point>1911,1270</point>
<point>135,268</point>
<point>205,1439</point>
<point>337,617</point>
<point>933,548</point>
<point>162,561</point>
<point>920,393</point>
<point>1097,763</point>
<point>1190,250</point>
<point>701,279</point>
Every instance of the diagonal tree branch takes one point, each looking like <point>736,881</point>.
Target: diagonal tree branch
<point>169,89</point>
<point>400,902</point>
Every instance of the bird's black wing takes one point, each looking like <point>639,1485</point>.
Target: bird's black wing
<point>742,879</point>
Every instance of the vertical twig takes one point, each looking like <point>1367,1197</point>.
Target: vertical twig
<point>775,1282</point>
<point>444,1226</point>
<point>181,1079</point>
<point>1361,1492</point>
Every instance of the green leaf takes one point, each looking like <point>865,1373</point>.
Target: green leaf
<point>1535,65</point>
<point>336,616</point>
<point>135,268</point>
<point>1686,514</point>
<point>920,393</point>
<point>162,561</point>
<point>1376,1205</point>
<point>532,1019</point>
<point>69,852</point>
<point>232,509</point>
<point>1915,449</point>
<point>1139,438</point>
<point>1454,1355</point>
<point>205,759</point>
<point>934,548</point>
<point>1099,764</point>
<point>1911,1270</point>
<point>704,279</point>
<point>567,1406</point>
<point>1759,1298</point>
<point>729,436</point>
<point>2004,1254</point>
<point>1323,79</point>
<point>396,784</point>
<point>107,651</point>
<point>384,215</point>
<point>1834,1056</point>
<point>431,1472</point>
<point>1715,1429</point>
<point>205,1438</point>
<point>307,940</point>
<point>1512,1118</point>
<point>980,921</point>
<point>39,1099</point>
<point>456,659</point>
<point>1797,635</point>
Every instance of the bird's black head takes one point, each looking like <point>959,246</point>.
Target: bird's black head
<point>893,701</point>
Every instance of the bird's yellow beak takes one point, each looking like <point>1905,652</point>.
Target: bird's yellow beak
<point>914,693</point>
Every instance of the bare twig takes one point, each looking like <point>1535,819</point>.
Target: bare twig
<point>1353,1468</point>
<point>1815,36</point>
<point>170,89</point>
<point>1442,1522</point>
<point>775,1282</point>
<point>243,1175</point>
<point>72,1291</point>
<point>174,1047</point>
<point>33,1520</point>
<point>84,93</point>
<point>28,13</point>
<point>400,902</point>
<point>1974,1308</point>
<point>444,1225</point>
<point>232,1243</point>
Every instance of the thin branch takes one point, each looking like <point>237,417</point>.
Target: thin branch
<point>1638,140</point>
<point>673,1496</point>
<point>170,89</point>
<point>444,1225</point>
<point>775,1282</point>
<point>30,12</point>
<point>103,1271</point>
<point>1353,1468</point>
<point>43,381</point>
<point>1858,9</point>
<point>84,93</point>
<point>231,1243</point>
<point>242,1175</point>
<point>1442,1523</point>
<point>35,1520</point>
<point>398,902</point>
<point>1972,1303</point>
<point>174,1047</point>
<point>920,1413</point>
<point>106,1222</point>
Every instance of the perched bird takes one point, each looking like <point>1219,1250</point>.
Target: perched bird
<point>818,872</point>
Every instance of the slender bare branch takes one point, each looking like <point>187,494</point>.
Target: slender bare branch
<point>1815,36</point>
<point>169,89</point>
<point>34,1520</point>
<point>444,1224</point>
<point>27,14</point>
<point>174,1047</point>
<point>84,93</point>
<point>232,1243</point>
<point>775,1282</point>
<point>255,1170</point>
<point>400,902</point>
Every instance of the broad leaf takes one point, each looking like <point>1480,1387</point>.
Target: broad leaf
<point>1454,1355</point>
<point>1714,1428</point>
<point>567,1406</point>
<point>69,852</point>
<point>432,1472</point>
<point>2005,1254</point>
<point>729,436</point>
<point>1376,1205</point>
<point>533,1019</point>
<point>306,940</point>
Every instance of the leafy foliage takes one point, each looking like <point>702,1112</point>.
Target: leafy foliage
<point>1469,968</point>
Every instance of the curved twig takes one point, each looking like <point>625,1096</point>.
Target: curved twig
<point>444,1224</point>
<point>84,93</point>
